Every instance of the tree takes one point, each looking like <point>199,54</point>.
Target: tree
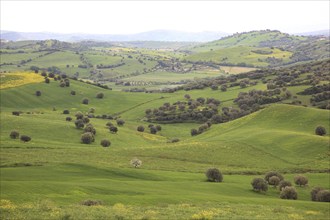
<point>79,115</point>
<point>300,180</point>
<point>38,93</point>
<point>282,184</point>
<point>136,163</point>
<point>79,123</point>
<point>14,134</point>
<point>66,111</point>
<point>100,95</point>
<point>113,129</point>
<point>187,96</point>
<point>120,122</point>
<point>68,119</point>
<point>274,181</point>
<point>90,128</point>
<point>153,130</point>
<point>214,175</point>
<point>140,128</point>
<point>158,127</point>
<point>25,138</point>
<point>273,173</point>
<point>259,185</point>
<point>289,192</point>
<point>87,138</point>
<point>85,101</point>
<point>323,196</point>
<point>105,143</point>
<point>314,192</point>
<point>320,130</point>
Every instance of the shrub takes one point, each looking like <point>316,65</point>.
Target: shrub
<point>300,180</point>
<point>91,202</point>
<point>274,181</point>
<point>47,80</point>
<point>68,119</point>
<point>282,184</point>
<point>109,124</point>
<point>90,128</point>
<point>259,184</point>
<point>140,128</point>
<point>79,115</point>
<point>16,113</point>
<point>14,134</point>
<point>73,92</point>
<point>136,163</point>
<point>194,132</point>
<point>87,138</point>
<point>85,120</point>
<point>289,192</point>
<point>320,130</point>
<point>323,196</point>
<point>66,112</point>
<point>158,127</point>
<point>214,175</point>
<point>113,129</point>
<point>120,122</point>
<point>314,192</point>
<point>62,84</point>
<point>25,138</point>
<point>38,93</point>
<point>100,95</point>
<point>273,173</point>
<point>85,101</point>
<point>153,130</point>
<point>105,143</point>
<point>79,123</point>
<point>174,140</point>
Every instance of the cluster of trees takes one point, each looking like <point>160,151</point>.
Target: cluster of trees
<point>110,66</point>
<point>287,191</point>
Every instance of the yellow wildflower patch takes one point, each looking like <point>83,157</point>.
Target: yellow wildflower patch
<point>6,204</point>
<point>10,80</point>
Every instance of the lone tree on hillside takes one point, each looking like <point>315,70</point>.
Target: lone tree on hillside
<point>289,192</point>
<point>273,173</point>
<point>259,185</point>
<point>14,134</point>
<point>320,130</point>
<point>214,175</point>
<point>136,163</point>
<point>283,184</point>
<point>140,128</point>
<point>25,138</point>
<point>300,180</point>
<point>105,143</point>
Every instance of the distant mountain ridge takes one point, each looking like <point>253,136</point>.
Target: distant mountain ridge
<point>156,35</point>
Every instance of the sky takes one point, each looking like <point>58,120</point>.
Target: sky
<point>127,17</point>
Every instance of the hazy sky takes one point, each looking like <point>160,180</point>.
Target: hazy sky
<point>121,17</point>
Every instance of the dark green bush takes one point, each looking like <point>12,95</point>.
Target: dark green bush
<point>140,128</point>
<point>85,101</point>
<point>87,138</point>
<point>314,192</point>
<point>68,119</point>
<point>79,123</point>
<point>14,134</point>
<point>283,184</point>
<point>66,112</point>
<point>120,122</point>
<point>25,138</point>
<point>289,192</point>
<point>320,130</point>
<point>323,196</point>
<point>38,93</point>
<point>105,143</point>
<point>274,181</point>
<point>273,173</point>
<point>214,175</point>
<point>300,180</point>
<point>113,129</point>
<point>100,95</point>
<point>259,184</point>
<point>91,202</point>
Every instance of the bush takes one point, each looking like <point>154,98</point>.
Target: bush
<point>194,132</point>
<point>91,202</point>
<point>140,128</point>
<point>323,196</point>
<point>90,128</point>
<point>38,93</point>
<point>314,193</point>
<point>274,181</point>
<point>158,127</point>
<point>273,173</point>
<point>300,180</point>
<point>109,124</point>
<point>320,130</point>
<point>113,129</point>
<point>66,112</point>
<point>120,122</point>
<point>136,163</point>
<point>16,113</point>
<point>214,175</point>
<point>259,184</point>
<point>14,134</point>
<point>25,138</point>
<point>105,143</point>
<point>174,140</point>
<point>85,101</point>
<point>85,120</point>
<point>100,95</point>
<point>73,92</point>
<point>68,119</point>
<point>79,115</point>
<point>79,123</point>
<point>282,184</point>
<point>153,130</point>
<point>289,192</point>
<point>87,138</point>
<point>47,80</point>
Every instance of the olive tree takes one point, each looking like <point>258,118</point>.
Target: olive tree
<point>214,175</point>
<point>300,180</point>
<point>289,192</point>
<point>259,184</point>
<point>320,130</point>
